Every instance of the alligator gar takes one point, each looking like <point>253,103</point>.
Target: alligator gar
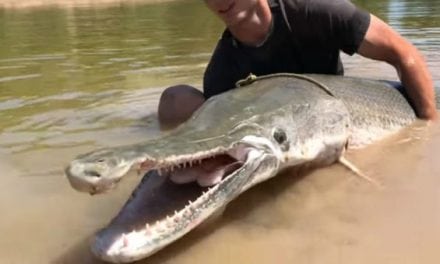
<point>234,141</point>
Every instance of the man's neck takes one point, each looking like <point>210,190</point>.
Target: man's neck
<point>253,30</point>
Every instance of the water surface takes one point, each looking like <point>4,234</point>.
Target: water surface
<point>74,79</point>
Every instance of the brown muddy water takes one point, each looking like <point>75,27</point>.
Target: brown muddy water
<point>75,79</point>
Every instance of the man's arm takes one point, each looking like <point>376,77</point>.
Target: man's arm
<point>381,42</point>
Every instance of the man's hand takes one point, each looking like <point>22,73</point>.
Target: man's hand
<point>383,43</point>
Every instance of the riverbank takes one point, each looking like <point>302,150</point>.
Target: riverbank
<point>13,4</point>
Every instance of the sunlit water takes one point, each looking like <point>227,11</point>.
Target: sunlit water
<point>74,79</point>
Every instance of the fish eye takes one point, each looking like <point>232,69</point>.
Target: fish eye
<point>279,135</point>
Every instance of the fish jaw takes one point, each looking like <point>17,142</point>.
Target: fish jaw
<point>115,245</point>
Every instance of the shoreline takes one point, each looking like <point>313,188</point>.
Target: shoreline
<point>13,4</point>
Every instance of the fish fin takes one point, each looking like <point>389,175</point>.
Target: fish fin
<point>346,163</point>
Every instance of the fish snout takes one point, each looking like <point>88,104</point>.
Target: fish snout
<point>87,178</point>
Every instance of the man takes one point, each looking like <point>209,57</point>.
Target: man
<point>300,36</point>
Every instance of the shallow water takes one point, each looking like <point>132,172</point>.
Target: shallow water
<point>74,79</point>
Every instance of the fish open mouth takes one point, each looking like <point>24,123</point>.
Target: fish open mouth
<point>170,201</point>
<point>206,172</point>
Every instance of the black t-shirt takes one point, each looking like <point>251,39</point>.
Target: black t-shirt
<point>306,37</point>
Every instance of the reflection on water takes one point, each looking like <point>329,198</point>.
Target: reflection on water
<point>57,66</point>
<point>78,78</point>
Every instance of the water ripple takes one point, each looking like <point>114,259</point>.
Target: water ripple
<point>109,113</point>
<point>11,104</point>
<point>19,77</point>
<point>40,57</point>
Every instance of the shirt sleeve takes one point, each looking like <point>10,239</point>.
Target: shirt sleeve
<point>351,26</point>
<point>338,22</point>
